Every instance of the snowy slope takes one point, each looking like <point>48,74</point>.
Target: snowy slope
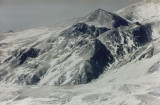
<point>136,83</point>
<point>144,12</point>
<point>147,11</point>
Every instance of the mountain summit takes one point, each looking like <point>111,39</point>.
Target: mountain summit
<point>103,18</point>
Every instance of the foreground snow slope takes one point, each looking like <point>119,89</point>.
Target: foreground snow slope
<point>136,83</point>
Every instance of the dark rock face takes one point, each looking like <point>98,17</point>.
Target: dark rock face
<point>32,53</point>
<point>143,34</point>
<point>126,40</point>
<point>119,21</point>
<point>120,50</point>
<point>100,60</point>
<point>96,64</point>
<point>36,77</point>
<point>82,28</point>
<point>33,81</point>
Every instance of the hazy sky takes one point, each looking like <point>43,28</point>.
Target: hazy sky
<point>19,15</point>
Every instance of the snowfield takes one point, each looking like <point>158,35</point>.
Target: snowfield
<point>136,83</point>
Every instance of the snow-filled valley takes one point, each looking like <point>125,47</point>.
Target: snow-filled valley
<point>102,58</point>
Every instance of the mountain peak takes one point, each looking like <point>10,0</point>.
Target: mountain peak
<point>100,10</point>
<point>103,18</point>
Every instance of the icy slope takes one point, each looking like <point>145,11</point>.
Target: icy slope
<point>146,11</point>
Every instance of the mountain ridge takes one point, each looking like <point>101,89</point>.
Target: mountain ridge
<point>50,61</point>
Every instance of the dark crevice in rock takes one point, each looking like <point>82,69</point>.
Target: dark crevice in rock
<point>33,81</point>
<point>32,53</point>
<point>142,34</point>
<point>8,59</point>
<point>120,50</point>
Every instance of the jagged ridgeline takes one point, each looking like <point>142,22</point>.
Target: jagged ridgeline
<point>74,52</point>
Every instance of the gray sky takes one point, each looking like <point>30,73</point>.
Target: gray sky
<point>19,15</point>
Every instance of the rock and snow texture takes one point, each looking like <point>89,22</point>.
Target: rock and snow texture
<point>118,56</point>
<point>136,83</point>
<point>103,18</point>
<point>144,12</point>
<point>76,55</point>
<point>147,11</point>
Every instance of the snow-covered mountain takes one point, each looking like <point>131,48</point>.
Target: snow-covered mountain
<point>146,11</point>
<point>75,55</point>
<point>99,59</point>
